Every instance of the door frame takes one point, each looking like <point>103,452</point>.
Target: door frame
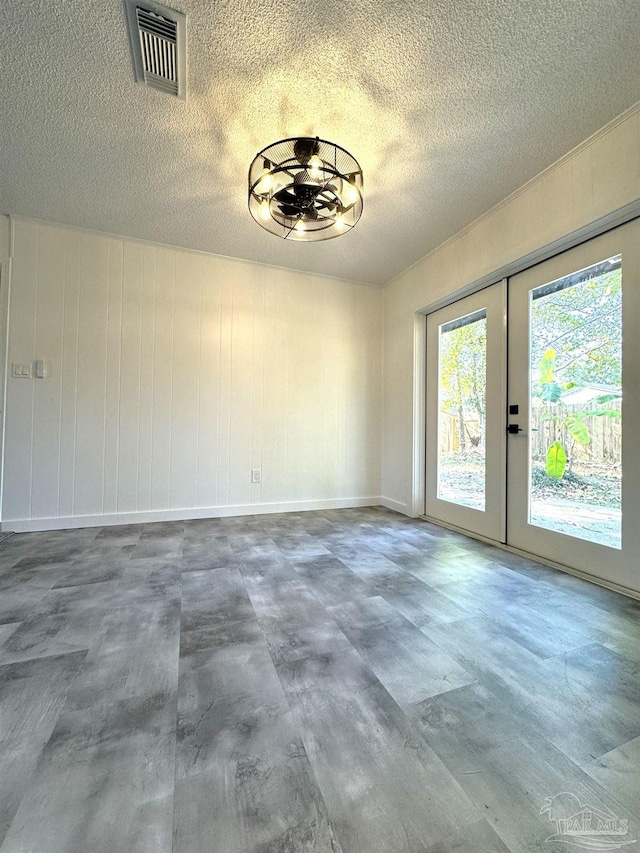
<point>543,253</point>
<point>581,235</point>
<point>594,559</point>
<point>492,520</point>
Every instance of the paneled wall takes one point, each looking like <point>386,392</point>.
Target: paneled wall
<point>172,374</point>
<point>598,178</point>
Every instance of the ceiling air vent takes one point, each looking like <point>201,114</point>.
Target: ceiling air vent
<point>159,45</point>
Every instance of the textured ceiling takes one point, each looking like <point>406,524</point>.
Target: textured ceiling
<point>449,105</point>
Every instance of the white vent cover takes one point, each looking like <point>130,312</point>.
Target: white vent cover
<point>159,45</point>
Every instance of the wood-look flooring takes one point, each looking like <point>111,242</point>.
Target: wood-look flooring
<point>347,681</point>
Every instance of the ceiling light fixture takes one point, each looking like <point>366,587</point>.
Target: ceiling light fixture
<point>305,189</point>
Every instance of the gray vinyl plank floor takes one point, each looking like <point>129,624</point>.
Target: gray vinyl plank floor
<point>340,681</point>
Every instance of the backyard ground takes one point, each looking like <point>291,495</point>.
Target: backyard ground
<point>585,503</point>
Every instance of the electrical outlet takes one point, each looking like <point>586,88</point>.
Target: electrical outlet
<point>256,475</point>
<point>21,371</point>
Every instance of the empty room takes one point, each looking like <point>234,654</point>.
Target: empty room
<point>319,527</point>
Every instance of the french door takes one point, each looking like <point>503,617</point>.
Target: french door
<point>466,437</point>
<point>567,488</point>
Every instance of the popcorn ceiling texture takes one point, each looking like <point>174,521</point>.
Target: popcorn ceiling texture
<point>449,105</point>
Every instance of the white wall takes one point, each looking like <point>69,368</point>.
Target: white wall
<point>599,177</point>
<point>173,374</point>
<point>5,275</point>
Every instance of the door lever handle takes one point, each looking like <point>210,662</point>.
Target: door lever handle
<point>513,429</point>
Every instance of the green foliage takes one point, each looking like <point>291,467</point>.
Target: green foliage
<point>550,392</point>
<point>601,413</point>
<point>547,366</point>
<point>548,388</point>
<point>582,325</point>
<point>576,340</point>
<point>556,461</point>
<point>578,429</point>
<point>463,369</point>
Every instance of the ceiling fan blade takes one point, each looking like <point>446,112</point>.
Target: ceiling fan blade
<point>289,210</point>
<point>326,204</point>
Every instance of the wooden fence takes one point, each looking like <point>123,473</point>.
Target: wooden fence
<point>547,427</point>
<point>450,432</point>
<point>605,431</point>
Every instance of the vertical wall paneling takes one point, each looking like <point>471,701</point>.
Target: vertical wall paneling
<point>184,424</point>
<point>5,278</point>
<point>296,376</point>
<point>240,414</point>
<point>92,345</point>
<point>68,373</point>
<point>47,392</point>
<point>130,378</point>
<point>162,410</point>
<point>20,392</point>
<point>173,374</point>
<point>310,481</point>
<point>271,344</point>
<point>112,377</point>
<point>257,382</point>
<point>281,338</point>
<point>225,387</point>
<point>198,343</point>
<point>330,361</point>
<point>209,389</point>
<point>342,322</point>
<point>147,346</point>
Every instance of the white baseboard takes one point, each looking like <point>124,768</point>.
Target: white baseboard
<point>396,506</point>
<point>30,525</point>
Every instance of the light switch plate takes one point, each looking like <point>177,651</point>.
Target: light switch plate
<point>256,474</point>
<point>21,371</point>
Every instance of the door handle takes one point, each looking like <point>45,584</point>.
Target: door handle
<point>513,429</point>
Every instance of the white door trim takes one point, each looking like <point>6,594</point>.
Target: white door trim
<point>418,479</point>
<point>593,229</point>
<point>489,521</point>
<point>607,563</point>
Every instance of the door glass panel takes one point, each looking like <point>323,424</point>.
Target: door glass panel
<point>575,435</point>
<point>462,381</point>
